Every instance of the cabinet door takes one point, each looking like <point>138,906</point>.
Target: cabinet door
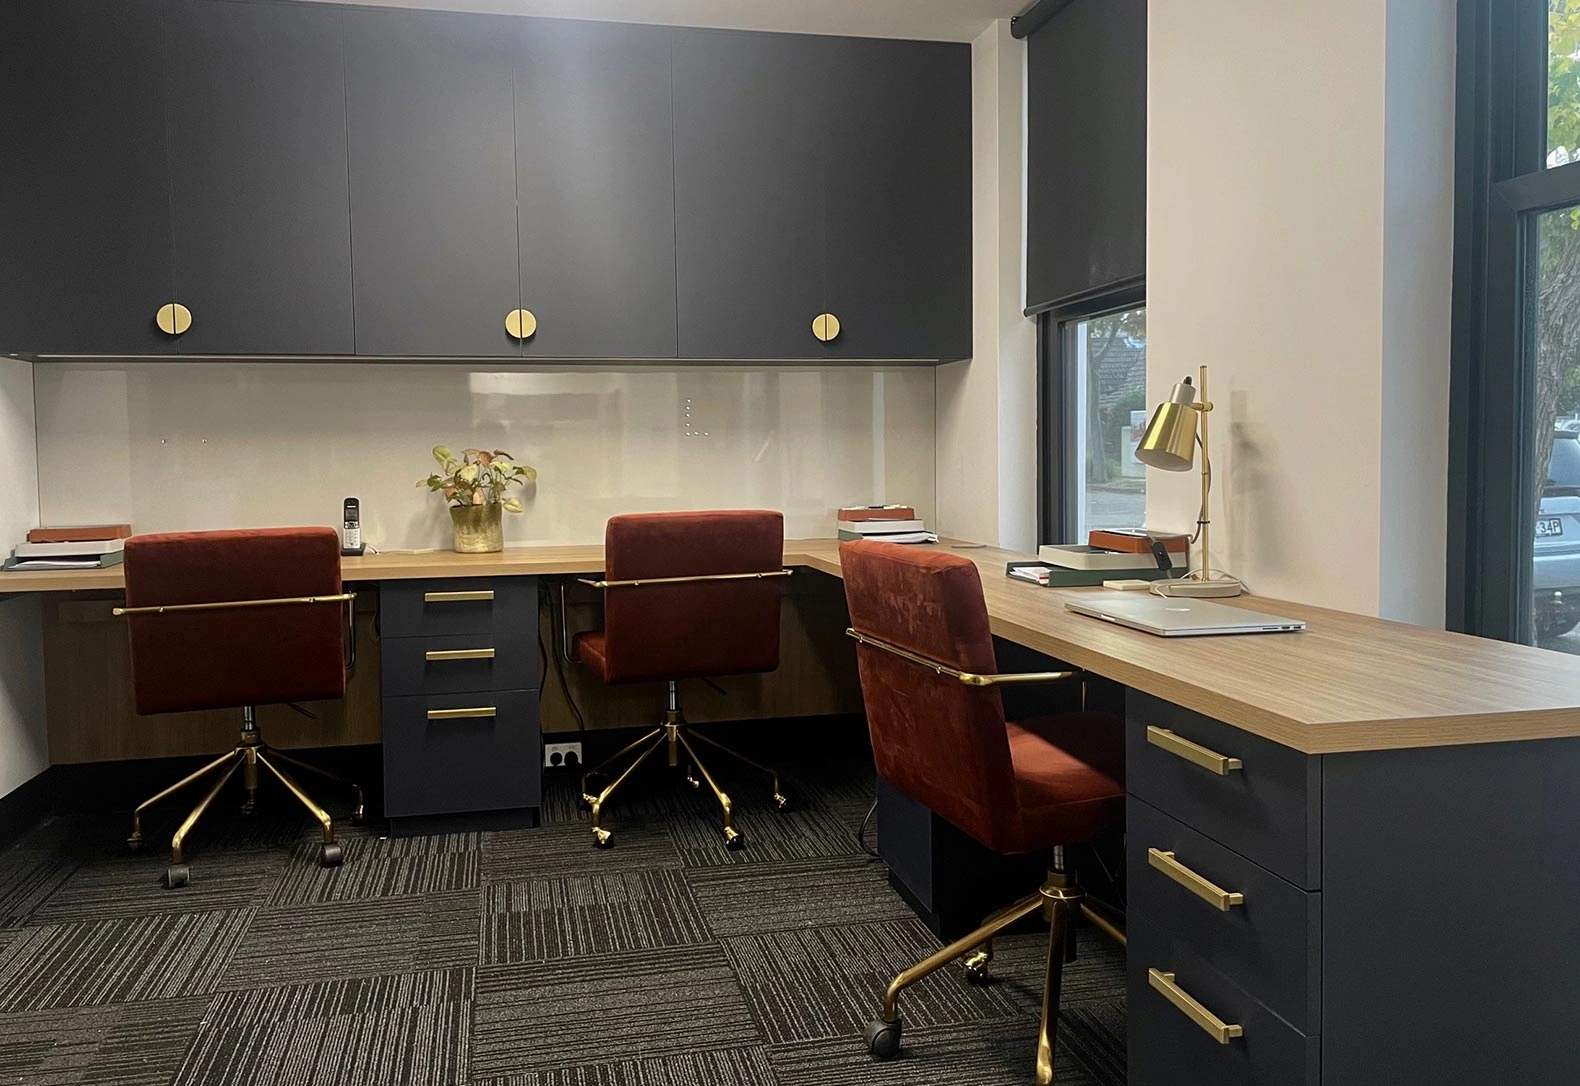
<point>85,257</point>
<point>258,137</point>
<point>595,173</point>
<point>899,199</point>
<point>749,208</point>
<point>430,103</point>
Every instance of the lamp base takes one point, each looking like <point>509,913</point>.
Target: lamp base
<point>1217,588</point>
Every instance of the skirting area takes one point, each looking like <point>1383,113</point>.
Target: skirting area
<point>521,958</point>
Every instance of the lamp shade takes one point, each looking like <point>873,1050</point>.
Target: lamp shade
<point>1169,441</point>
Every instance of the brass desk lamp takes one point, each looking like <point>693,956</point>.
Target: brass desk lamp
<point>1169,442</point>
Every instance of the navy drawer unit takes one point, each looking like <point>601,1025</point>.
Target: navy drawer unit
<point>461,675</point>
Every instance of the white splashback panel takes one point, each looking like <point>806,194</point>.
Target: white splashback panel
<point>175,447</point>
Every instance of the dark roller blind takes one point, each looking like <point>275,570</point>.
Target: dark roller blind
<point>1086,155</point>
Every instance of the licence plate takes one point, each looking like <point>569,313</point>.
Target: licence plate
<point>1547,527</point>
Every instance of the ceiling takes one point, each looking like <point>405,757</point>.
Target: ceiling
<point>944,20</point>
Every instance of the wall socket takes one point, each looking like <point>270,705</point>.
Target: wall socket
<point>556,755</point>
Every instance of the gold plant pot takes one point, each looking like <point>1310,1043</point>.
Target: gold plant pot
<point>479,529</point>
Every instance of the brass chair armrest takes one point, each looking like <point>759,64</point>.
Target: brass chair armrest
<point>645,581</point>
<point>1025,678</point>
<point>231,605</point>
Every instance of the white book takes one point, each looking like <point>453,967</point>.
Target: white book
<point>1080,556</point>
<point>88,548</point>
<point>881,527</point>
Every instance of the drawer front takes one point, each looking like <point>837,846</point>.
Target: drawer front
<point>1168,1047</point>
<point>458,605</point>
<point>1259,798</point>
<point>1262,932</point>
<point>482,752</point>
<point>498,660</point>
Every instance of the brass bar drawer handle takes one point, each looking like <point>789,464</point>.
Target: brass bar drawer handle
<point>462,714</point>
<point>1215,1027</point>
<point>1181,747</point>
<point>459,654</point>
<point>458,597</point>
<point>1214,895</point>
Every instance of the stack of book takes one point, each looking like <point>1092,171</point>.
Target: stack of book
<point>87,546</point>
<point>1107,556</point>
<point>890,523</point>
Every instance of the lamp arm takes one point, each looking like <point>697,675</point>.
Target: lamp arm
<point>1201,514</point>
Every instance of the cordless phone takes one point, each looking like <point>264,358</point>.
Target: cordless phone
<point>351,528</point>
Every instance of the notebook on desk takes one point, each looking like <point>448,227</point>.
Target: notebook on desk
<point>1172,616</point>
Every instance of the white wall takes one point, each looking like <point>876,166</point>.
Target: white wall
<point>195,446</point>
<point>987,405</point>
<point>1299,225</point>
<point>24,750</point>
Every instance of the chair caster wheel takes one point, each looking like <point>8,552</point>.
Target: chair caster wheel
<point>358,818</point>
<point>977,968</point>
<point>585,803</point>
<point>883,1039</point>
<point>177,876</point>
<point>734,840</point>
<point>331,854</point>
<point>781,802</point>
<point>134,844</point>
<point>603,839</point>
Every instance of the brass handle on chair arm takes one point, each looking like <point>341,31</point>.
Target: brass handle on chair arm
<point>685,580</point>
<point>1214,895</point>
<point>459,654</point>
<point>1215,1027</point>
<point>1195,754</point>
<point>1024,678</point>
<point>458,597</point>
<point>460,714</point>
<point>231,605</point>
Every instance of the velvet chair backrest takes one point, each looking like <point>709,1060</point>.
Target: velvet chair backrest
<point>233,657</point>
<point>697,628</point>
<point>939,741</point>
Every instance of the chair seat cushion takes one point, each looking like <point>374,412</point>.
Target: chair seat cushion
<point>1069,776</point>
<point>589,649</point>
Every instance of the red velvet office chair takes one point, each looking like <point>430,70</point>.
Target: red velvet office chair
<point>686,595</point>
<point>930,683</point>
<point>238,619</point>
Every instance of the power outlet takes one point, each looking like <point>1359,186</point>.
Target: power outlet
<point>557,755</point>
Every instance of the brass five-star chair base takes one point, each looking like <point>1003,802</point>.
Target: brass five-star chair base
<point>1057,899</point>
<point>249,753</point>
<point>673,735</point>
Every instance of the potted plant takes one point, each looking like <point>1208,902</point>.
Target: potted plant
<point>475,483</point>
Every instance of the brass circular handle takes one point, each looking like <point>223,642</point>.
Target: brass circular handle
<point>825,326</point>
<point>173,318</point>
<point>521,324</point>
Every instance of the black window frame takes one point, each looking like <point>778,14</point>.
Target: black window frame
<point>1057,462</point>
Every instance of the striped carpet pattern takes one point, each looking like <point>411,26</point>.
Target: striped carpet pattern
<point>515,958</point>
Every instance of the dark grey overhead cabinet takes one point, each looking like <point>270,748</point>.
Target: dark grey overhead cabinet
<point>750,213</point>
<point>898,178</point>
<point>596,190</point>
<point>258,155</point>
<point>430,104</point>
<point>85,244</point>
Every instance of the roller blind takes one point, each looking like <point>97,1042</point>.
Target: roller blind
<point>1086,159</point>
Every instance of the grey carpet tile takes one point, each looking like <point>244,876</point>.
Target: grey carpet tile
<point>750,898</point>
<point>655,1002</point>
<point>828,982</point>
<point>646,795</point>
<point>127,1044</point>
<point>567,849</point>
<point>578,915</point>
<point>382,867</point>
<point>347,939</point>
<point>1092,1037</point>
<point>27,879</point>
<point>772,836</point>
<point>1002,1053</point>
<point>110,888</point>
<point>722,1067</point>
<point>413,1029</point>
<point>1020,962</point>
<point>85,963</point>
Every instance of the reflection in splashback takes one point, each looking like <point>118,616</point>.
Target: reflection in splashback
<point>172,447</point>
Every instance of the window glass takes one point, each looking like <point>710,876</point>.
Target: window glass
<point>1108,357</point>
<point>1563,82</point>
<point>1555,543</point>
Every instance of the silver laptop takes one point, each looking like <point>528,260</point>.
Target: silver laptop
<point>1177,617</point>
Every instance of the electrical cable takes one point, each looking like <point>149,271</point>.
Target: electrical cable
<point>861,832</point>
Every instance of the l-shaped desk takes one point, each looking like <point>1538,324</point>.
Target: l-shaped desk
<point>1395,806</point>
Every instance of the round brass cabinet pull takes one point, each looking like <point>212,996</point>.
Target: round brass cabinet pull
<point>825,326</point>
<point>173,318</point>
<point>521,324</point>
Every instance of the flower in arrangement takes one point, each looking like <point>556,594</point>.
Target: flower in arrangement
<point>477,477</point>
